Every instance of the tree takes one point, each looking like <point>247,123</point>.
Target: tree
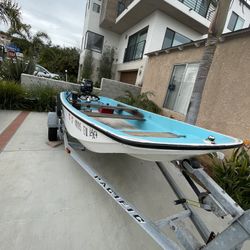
<point>106,62</point>
<point>57,59</point>
<point>30,44</point>
<point>22,31</point>
<point>11,70</point>
<point>10,14</point>
<point>87,68</point>
<point>214,32</point>
<point>38,41</point>
<point>22,44</point>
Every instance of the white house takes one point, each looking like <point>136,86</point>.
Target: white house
<point>136,27</point>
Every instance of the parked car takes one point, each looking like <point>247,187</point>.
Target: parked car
<point>42,72</point>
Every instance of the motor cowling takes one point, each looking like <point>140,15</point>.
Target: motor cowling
<point>86,87</point>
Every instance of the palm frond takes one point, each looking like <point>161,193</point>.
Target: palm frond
<point>10,13</point>
<point>140,101</point>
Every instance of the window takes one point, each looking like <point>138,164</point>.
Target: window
<point>180,87</point>
<point>173,38</point>
<point>235,22</point>
<point>136,45</point>
<point>94,41</point>
<point>96,7</point>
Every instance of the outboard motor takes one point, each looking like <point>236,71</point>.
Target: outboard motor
<point>86,87</point>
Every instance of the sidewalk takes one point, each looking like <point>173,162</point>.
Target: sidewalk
<point>48,202</point>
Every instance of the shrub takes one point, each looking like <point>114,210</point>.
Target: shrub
<point>11,95</point>
<point>106,62</point>
<point>11,70</point>
<point>42,97</point>
<point>140,101</point>
<point>36,98</point>
<point>233,175</point>
<point>87,68</point>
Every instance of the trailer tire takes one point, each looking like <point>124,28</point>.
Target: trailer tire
<point>58,106</point>
<point>52,134</point>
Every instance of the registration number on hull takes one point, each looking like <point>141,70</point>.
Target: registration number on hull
<point>84,129</point>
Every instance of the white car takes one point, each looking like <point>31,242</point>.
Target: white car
<point>42,72</point>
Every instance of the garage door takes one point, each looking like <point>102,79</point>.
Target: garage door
<point>129,76</point>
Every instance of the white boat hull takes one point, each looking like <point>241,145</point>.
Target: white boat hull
<point>98,142</point>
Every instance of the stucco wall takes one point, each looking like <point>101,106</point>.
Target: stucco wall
<point>158,73</point>
<point>109,88</point>
<point>114,89</point>
<point>225,103</point>
<point>30,80</point>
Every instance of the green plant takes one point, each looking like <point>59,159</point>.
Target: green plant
<point>11,95</point>
<point>141,101</point>
<point>42,97</point>
<point>11,70</point>
<point>106,62</point>
<point>35,41</point>
<point>10,14</point>
<point>233,175</point>
<point>36,98</point>
<point>97,84</point>
<point>87,68</point>
<point>57,60</point>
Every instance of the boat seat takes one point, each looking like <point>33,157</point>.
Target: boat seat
<point>119,108</point>
<point>117,116</point>
<point>117,123</point>
<point>154,134</point>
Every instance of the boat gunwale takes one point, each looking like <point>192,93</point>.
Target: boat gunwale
<point>154,145</point>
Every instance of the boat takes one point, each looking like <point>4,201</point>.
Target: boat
<point>104,125</point>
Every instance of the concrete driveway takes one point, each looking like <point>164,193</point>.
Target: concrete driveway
<point>48,202</point>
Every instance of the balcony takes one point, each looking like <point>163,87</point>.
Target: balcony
<point>123,5</point>
<point>119,16</point>
<point>134,52</point>
<point>205,8</point>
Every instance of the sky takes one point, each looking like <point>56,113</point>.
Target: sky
<point>62,20</point>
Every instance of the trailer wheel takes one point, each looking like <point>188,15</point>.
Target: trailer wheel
<point>52,134</point>
<point>58,106</point>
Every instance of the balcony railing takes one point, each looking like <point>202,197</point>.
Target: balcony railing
<point>134,52</point>
<point>122,5</point>
<point>203,7</point>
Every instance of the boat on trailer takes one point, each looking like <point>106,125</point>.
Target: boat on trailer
<point>104,125</point>
<point>107,126</point>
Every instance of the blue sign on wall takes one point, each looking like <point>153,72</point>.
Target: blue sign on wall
<point>12,47</point>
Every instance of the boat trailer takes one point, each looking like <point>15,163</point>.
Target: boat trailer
<point>214,200</point>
